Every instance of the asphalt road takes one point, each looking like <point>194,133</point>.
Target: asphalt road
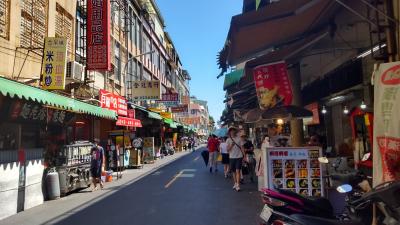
<point>182,193</point>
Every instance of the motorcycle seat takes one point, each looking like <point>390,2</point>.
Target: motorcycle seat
<point>311,220</point>
<point>313,203</point>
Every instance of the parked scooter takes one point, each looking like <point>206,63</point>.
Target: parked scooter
<point>387,196</point>
<point>289,203</point>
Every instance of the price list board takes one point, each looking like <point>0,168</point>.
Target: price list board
<point>295,169</point>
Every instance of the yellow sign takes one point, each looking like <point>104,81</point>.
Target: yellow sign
<point>166,115</point>
<point>53,66</point>
<point>157,110</point>
<point>146,90</point>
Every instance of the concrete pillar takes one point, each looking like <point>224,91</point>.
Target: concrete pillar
<point>296,125</point>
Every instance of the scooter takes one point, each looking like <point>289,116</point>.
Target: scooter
<point>288,202</point>
<point>386,195</point>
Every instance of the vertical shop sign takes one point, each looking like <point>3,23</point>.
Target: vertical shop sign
<point>272,85</point>
<point>113,102</point>
<point>54,63</point>
<point>386,150</point>
<point>98,35</point>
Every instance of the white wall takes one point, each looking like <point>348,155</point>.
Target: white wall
<point>9,176</point>
<point>33,183</point>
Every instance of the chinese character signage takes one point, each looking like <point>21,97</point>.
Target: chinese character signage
<point>146,90</point>
<point>170,99</point>
<point>180,109</point>
<point>185,99</point>
<point>113,102</point>
<point>294,169</point>
<point>32,112</point>
<point>386,150</point>
<point>128,122</point>
<point>190,120</point>
<point>272,85</point>
<point>54,63</point>
<point>98,35</point>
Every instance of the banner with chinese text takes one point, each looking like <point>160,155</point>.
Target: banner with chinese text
<point>98,35</point>
<point>272,85</point>
<point>146,90</point>
<point>54,63</point>
<point>169,99</point>
<point>113,102</point>
<point>128,122</point>
<point>180,109</point>
<point>386,142</point>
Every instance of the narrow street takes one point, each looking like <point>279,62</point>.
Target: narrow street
<point>183,192</point>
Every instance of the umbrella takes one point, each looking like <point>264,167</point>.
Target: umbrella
<point>205,155</point>
<point>222,132</point>
<point>286,111</point>
<point>253,115</point>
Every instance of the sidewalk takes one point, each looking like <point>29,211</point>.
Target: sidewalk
<point>56,210</point>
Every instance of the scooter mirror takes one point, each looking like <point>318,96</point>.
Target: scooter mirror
<point>366,156</point>
<point>345,188</point>
<point>323,160</point>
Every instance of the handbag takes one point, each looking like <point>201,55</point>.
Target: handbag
<point>245,168</point>
<point>219,158</point>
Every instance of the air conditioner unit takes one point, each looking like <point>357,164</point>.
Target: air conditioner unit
<point>75,71</point>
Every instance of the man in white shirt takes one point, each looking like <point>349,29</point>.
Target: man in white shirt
<point>235,149</point>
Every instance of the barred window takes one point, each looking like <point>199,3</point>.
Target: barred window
<point>64,28</point>
<point>4,18</point>
<point>33,23</point>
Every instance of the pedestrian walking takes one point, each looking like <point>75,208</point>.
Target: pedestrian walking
<point>248,148</point>
<point>235,149</point>
<point>96,165</point>
<point>223,149</point>
<point>212,145</point>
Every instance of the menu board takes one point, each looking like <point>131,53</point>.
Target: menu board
<point>295,169</point>
<point>148,150</point>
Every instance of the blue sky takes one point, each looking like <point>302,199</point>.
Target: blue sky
<point>199,30</point>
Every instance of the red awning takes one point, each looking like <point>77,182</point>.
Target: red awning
<point>128,122</point>
<point>251,34</point>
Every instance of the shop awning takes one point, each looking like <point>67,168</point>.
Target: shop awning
<point>154,115</point>
<point>233,78</point>
<point>254,33</point>
<point>22,91</point>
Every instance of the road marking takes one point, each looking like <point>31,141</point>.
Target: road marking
<point>197,158</point>
<point>173,179</point>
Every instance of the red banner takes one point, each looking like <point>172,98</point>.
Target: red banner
<point>389,148</point>
<point>131,113</point>
<point>272,85</point>
<point>128,122</point>
<point>179,109</point>
<point>98,35</point>
<point>113,102</point>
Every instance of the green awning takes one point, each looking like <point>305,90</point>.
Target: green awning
<point>233,78</point>
<point>154,115</point>
<point>168,121</point>
<point>30,93</point>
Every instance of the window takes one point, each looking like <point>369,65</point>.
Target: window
<point>80,36</point>
<point>137,29</point>
<point>156,59</point>
<point>146,48</point>
<point>4,18</point>
<point>33,23</point>
<point>117,69</point>
<point>64,28</point>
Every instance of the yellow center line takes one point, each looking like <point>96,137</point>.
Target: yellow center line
<point>173,179</point>
<point>197,158</point>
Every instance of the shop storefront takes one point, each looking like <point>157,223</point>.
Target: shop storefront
<point>35,125</point>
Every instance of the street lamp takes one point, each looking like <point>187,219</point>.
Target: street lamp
<point>127,63</point>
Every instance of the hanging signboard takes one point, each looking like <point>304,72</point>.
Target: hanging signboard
<point>185,100</point>
<point>190,120</point>
<point>272,85</point>
<point>54,63</point>
<point>98,35</point>
<point>113,102</point>
<point>294,169</point>
<point>148,150</point>
<point>180,109</point>
<point>169,99</point>
<point>128,122</point>
<point>146,90</point>
<point>386,142</point>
